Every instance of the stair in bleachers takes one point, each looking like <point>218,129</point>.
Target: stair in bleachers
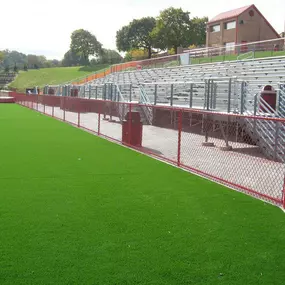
<point>268,135</point>
<point>6,78</point>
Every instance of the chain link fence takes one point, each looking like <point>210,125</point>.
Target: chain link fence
<point>246,153</point>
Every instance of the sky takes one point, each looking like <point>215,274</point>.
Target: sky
<point>44,27</point>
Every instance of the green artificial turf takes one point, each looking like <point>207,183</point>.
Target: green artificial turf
<point>77,209</point>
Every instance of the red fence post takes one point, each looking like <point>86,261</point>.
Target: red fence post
<point>179,137</point>
<point>78,115</point>
<point>283,198</point>
<point>99,116</point>
<point>130,124</point>
<point>63,106</point>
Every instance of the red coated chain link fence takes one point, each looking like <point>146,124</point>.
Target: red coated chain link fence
<point>246,153</point>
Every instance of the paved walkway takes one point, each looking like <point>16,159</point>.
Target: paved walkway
<point>244,165</point>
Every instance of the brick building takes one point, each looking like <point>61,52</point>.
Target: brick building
<point>242,25</point>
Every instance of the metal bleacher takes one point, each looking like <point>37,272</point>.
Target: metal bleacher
<point>158,82</point>
<point>226,87</point>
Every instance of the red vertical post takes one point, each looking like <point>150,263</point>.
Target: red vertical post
<point>64,108</point>
<point>99,116</point>
<point>283,198</point>
<point>130,124</point>
<point>78,115</point>
<point>179,138</point>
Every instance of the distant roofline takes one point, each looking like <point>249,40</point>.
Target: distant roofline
<point>232,17</point>
<point>249,7</point>
<point>270,26</point>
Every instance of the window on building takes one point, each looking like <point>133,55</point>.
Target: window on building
<point>215,28</point>
<point>230,25</point>
<point>230,46</point>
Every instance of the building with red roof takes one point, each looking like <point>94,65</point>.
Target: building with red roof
<point>239,26</point>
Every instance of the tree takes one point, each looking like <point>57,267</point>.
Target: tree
<point>122,39</point>
<point>85,44</point>
<point>55,62</point>
<point>52,63</point>
<point>12,57</point>
<point>7,69</point>
<point>109,56</point>
<point>136,35</point>
<point>136,54</point>
<point>42,61</point>
<point>198,31</point>
<point>1,56</point>
<point>32,60</point>
<point>72,59</point>
<point>172,30</point>
<point>15,68</point>
<point>25,67</point>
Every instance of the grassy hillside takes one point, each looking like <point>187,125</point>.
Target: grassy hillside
<point>52,76</point>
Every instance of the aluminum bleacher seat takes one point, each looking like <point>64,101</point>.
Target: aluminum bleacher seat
<point>257,72</point>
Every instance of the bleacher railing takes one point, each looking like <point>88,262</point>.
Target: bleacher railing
<point>145,102</point>
<point>215,145</point>
<point>261,49</point>
<point>219,94</point>
<point>281,100</point>
<point>267,134</point>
